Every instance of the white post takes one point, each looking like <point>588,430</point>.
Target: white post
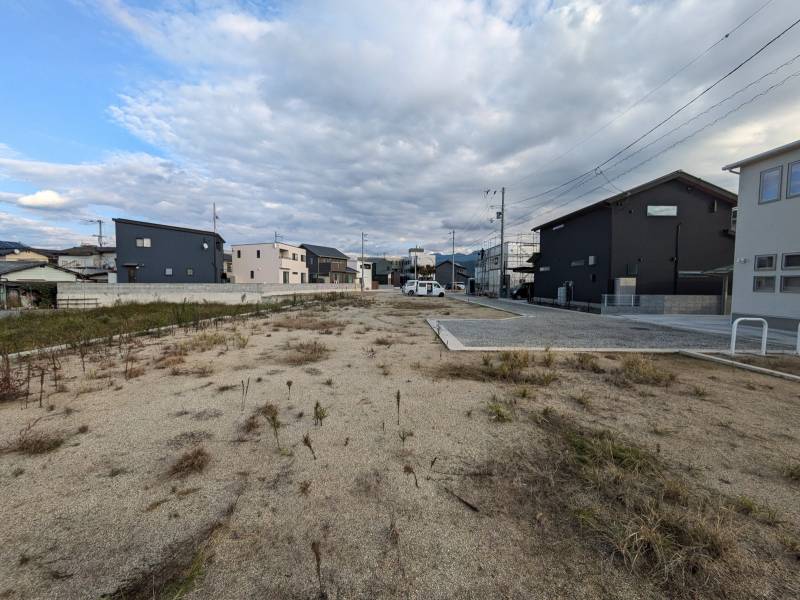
<point>764,333</point>
<point>798,339</point>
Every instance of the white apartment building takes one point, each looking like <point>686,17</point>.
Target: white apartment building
<point>364,271</point>
<point>515,256</point>
<point>272,262</point>
<point>766,270</point>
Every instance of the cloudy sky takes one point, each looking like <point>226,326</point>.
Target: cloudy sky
<point>323,119</point>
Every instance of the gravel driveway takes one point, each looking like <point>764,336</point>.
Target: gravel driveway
<point>542,327</point>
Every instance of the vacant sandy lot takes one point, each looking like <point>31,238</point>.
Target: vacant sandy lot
<point>433,474</point>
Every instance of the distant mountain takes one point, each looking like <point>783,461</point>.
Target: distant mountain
<point>464,259</point>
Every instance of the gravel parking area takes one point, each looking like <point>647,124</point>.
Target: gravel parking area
<point>539,327</point>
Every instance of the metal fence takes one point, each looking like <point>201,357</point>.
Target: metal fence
<point>621,299</point>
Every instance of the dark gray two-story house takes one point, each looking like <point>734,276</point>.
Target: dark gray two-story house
<point>657,238</point>
<point>155,253</point>
<point>327,265</point>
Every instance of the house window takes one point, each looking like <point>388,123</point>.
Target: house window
<point>302,257</point>
<point>544,269</point>
<point>190,271</point>
<point>238,254</point>
<point>286,277</point>
<point>632,269</point>
<point>302,278</point>
<point>770,187</point>
<point>793,180</point>
<point>765,262</point>
<point>790,284</point>
<point>252,275</point>
<point>662,211</point>
<point>764,283</point>
<point>142,242</point>
<point>791,261</point>
<point>168,271</point>
<point>294,255</point>
<point>258,253</point>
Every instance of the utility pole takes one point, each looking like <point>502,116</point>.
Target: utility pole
<point>99,235</point>
<point>363,237</point>
<point>214,241</point>
<point>453,262</point>
<point>502,235</point>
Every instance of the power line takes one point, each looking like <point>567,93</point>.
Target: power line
<point>722,117</point>
<point>678,142</point>
<point>705,91</point>
<point>650,93</point>
<point>591,172</point>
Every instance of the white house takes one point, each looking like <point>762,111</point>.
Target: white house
<point>363,271</point>
<point>766,270</point>
<point>272,262</point>
<point>96,262</point>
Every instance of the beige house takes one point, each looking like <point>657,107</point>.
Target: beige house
<point>14,251</point>
<point>274,262</point>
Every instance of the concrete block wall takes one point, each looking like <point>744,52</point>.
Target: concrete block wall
<point>108,294</point>
<point>657,304</point>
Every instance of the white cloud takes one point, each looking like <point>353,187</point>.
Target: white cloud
<point>391,117</point>
<point>43,199</point>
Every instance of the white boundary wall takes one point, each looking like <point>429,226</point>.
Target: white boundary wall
<point>108,294</point>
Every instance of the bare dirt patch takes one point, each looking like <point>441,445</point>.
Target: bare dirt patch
<point>396,470</point>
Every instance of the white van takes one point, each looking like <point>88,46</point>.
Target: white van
<point>409,287</point>
<point>426,288</point>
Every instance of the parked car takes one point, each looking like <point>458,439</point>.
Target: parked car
<point>426,288</point>
<point>523,291</point>
<point>409,286</point>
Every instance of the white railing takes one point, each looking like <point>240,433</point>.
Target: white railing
<point>764,332</point>
<point>621,299</point>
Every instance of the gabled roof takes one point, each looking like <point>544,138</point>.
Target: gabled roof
<point>22,265</point>
<point>12,246</point>
<point>448,261</point>
<point>87,250</point>
<point>702,184</point>
<point>171,227</point>
<point>325,251</point>
<point>764,155</point>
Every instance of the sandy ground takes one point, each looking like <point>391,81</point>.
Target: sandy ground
<point>101,516</point>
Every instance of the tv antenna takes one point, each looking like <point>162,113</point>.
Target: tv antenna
<point>99,235</point>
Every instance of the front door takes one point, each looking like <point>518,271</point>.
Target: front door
<point>131,274</point>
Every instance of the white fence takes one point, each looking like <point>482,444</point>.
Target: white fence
<point>621,300</point>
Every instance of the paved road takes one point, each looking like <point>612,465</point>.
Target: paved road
<point>541,327</point>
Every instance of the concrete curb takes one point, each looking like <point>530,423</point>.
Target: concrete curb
<point>725,361</point>
<point>454,344</point>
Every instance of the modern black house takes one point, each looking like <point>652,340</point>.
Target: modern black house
<point>657,238</point>
<point>155,253</point>
<point>327,265</point>
<point>444,273</point>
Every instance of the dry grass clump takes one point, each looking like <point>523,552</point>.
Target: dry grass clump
<point>512,367</point>
<point>11,380</point>
<point>622,500</point>
<point>498,412</point>
<point>642,370</point>
<point>309,323</point>
<point>33,442</point>
<point>191,461</point>
<point>585,362</point>
<point>172,355</point>
<point>303,353</point>
<point>204,341</point>
<point>197,370</point>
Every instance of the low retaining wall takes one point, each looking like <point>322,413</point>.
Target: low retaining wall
<point>656,304</point>
<point>89,295</point>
